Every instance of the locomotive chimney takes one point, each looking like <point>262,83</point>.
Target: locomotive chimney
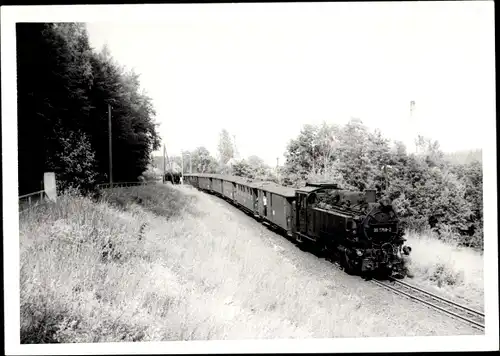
<point>370,195</point>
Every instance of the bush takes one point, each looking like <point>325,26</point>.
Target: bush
<point>445,265</point>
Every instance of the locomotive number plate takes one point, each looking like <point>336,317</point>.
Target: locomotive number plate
<point>382,229</point>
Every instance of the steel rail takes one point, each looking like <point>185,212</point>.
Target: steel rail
<point>432,305</point>
<point>432,295</point>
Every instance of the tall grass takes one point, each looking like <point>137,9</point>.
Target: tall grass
<point>167,263</point>
<point>443,266</point>
<point>82,264</point>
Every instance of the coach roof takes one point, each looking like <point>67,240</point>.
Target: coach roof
<point>274,188</point>
<point>270,187</point>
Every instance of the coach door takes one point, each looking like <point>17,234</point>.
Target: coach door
<point>311,198</point>
<point>255,200</point>
<point>301,213</point>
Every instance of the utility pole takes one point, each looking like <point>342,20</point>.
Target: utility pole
<point>190,165</point>
<point>164,165</point>
<point>168,159</point>
<point>110,148</point>
<point>182,167</point>
<point>182,162</point>
<point>314,161</point>
<point>386,177</point>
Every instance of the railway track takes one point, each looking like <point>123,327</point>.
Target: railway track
<point>473,317</point>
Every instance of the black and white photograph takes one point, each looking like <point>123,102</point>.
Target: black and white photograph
<point>249,177</point>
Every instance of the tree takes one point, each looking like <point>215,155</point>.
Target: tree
<point>33,61</point>
<point>225,147</point>
<point>202,161</point>
<point>299,153</point>
<point>75,162</point>
<point>257,166</point>
<point>242,169</point>
<point>430,150</point>
<point>53,79</point>
<point>134,131</point>
<point>64,89</point>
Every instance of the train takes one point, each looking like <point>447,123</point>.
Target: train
<point>173,177</point>
<point>351,228</point>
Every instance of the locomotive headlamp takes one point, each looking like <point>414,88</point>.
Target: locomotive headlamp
<point>359,253</point>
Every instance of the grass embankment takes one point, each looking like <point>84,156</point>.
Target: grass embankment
<point>160,263</point>
<point>88,270</point>
<point>441,265</point>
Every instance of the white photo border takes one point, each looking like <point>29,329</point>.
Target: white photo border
<point>176,12</point>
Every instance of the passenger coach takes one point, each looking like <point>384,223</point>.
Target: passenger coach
<point>275,204</point>
<point>272,203</point>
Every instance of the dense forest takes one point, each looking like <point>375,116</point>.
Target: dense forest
<point>64,88</point>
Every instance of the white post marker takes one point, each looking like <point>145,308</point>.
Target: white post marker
<point>49,184</point>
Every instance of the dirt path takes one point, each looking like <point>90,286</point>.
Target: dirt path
<point>355,302</point>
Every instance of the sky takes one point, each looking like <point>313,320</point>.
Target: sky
<point>262,75</point>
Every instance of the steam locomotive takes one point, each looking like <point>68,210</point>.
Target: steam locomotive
<point>350,227</point>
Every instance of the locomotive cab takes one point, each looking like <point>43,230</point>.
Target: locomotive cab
<point>314,221</point>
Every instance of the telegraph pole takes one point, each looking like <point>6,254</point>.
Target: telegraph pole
<point>314,161</point>
<point>182,162</point>
<point>164,165</point>
<point>110,148</point>
<point>168,159</point>
<point>190,165</point>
